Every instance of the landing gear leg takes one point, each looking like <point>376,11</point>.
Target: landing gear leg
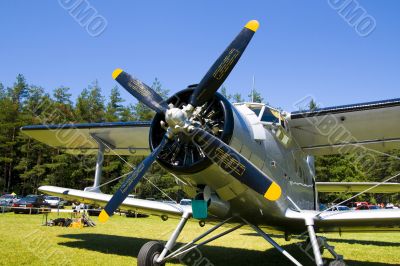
<point>314,242</point>
<point>183,252</point>
<point>172,241</point>
<point>153,253</point>
<point>318,244</point>
<point>273,243</point>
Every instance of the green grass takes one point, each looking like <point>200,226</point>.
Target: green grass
<point>25,242</point>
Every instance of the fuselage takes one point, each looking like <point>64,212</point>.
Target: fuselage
<point>260,136</point>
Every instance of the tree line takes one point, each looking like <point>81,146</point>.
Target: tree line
<point>26,164</point>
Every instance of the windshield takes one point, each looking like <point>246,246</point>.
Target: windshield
<point>186,202</point>
<point>256,109</point>
<point>268,116</point>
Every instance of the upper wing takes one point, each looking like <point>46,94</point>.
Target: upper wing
<point>138,205</point>
<point>347,128</point>
<point>123,138</point>
<point>358,187</point>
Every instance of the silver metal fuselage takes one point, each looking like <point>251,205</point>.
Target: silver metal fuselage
<point>286,164</point>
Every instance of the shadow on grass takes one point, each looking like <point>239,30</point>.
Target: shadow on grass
<point>130,246</point>
<point>342,240</point>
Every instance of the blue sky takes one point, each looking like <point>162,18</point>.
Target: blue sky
<point>301,48</point>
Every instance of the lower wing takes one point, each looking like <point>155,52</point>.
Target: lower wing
<point>137,205</point>
<point>351,221</point>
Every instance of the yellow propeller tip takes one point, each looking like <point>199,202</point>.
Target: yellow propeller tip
<point>116,73</point>
<point>274,192</point>
<point>103,217</point>
<point>252,25</point>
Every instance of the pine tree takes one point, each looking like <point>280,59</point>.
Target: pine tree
<point>312,105</point>
<point>141,111</point>
<point>63,108</point>
<point>255,96</point>
<point>237,98</point>
<point>19,91</point>
<point>2,91</point>
<point>82,108</point>
<point>114,107</point>
<point>96,101</point>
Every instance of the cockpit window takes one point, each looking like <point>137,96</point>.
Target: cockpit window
<point>267,116</point>
<point>256,109</point>
<point>265,113</point>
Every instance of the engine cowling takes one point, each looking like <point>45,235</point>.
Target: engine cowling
<point>181,155</point>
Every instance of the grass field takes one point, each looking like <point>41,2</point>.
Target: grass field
<point>25,242</point>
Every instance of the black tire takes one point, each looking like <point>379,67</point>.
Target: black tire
<point>149,253</point>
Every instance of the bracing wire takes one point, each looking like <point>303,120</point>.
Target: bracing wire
<point>130,165</point>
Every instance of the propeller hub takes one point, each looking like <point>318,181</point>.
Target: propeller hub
<point>176,118</point>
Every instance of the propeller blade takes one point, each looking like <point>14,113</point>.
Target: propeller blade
<point>235,164</point>
<point>140,91</point>
<point>220,70</point>
<point>130,182</point>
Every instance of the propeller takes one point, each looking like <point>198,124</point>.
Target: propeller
<point>220,70</point>
<point>140,91</point>
<point>185,120</point>
<point>236,165</point>
<point>130,182</point>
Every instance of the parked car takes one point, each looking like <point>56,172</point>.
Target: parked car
<point>30,204</point>
<point>355,205</point>
<point>169,201</point>
<point>374,207</point>
<point>5,206</point>
<point>391,206</point>
<point>340,208</point>
<point>362,207</point>
<point>54,202</point>
<point>185,202</point>
<point>322,207</point>
<point>10,198</point>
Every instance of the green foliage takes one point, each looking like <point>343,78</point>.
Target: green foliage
<point>224,93</point>
<point>312,105</point>
<point>358,167</point>
<point>25,164</point>
<point>255,96</point>
<point>237,98</point>
<point>142,112</point>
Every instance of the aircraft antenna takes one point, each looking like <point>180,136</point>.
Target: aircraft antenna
<point>252,89</point>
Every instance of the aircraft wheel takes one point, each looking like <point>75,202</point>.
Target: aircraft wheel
<point>149,253</point>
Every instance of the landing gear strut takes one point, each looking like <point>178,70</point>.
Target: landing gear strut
<point>273,243</point>
<point>318,244</point>
<point>155,254</point>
